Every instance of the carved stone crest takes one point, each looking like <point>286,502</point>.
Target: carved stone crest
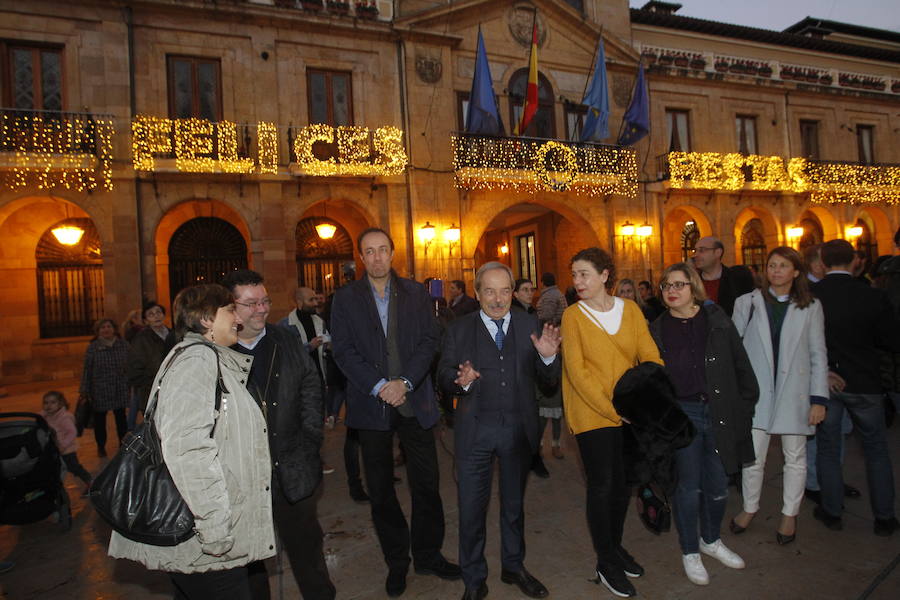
<point>520,19</point>
<point>429,68</point>
<point>621,89</point>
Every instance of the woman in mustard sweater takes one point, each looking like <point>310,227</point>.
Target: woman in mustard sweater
<point>603,336</point>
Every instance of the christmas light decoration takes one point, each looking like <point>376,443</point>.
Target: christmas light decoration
<point>267,147</point>
<point>149,136</point>
<point>354,152</point>
<point>69,150</point>
<point>194,146</point>
<point>528,165</point>
<point>228,157</point>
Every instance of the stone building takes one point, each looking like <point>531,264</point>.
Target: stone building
<point>187,138</point>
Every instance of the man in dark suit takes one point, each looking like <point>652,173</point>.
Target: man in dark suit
<point>490,360</point>
<point>723,284</point>
<point>858,322</point>
<point>461,303</point>
<point>384,337</point>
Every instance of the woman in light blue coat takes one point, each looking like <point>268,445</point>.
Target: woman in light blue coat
<point>783,328</point>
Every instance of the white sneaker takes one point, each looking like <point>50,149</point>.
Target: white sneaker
<point>720,552</point>
<point>694,569</point>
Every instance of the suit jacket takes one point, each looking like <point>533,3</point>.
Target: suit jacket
<point>465,305</point>
<point>858,321</point>
<point>359,346</point>
<point>735,282</point>
<point>461,344</point>
<point>783,406</point>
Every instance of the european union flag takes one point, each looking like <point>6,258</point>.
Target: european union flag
<point>483,115</point>
<point>596,98</point>
<point>636,123</point>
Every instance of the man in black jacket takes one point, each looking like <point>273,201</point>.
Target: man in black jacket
<point>491,360</point>
<point>460,302</point>
<point>286,385</point>
<point>858,322</point>
<point>723,284</point>
<point>384,337</point>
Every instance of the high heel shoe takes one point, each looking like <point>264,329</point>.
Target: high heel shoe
<point>735,528</point>
<point>783,540</point>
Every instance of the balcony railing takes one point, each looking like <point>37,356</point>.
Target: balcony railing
<point>534,164</point>
<point>825,181</point>
<point>51,148</point>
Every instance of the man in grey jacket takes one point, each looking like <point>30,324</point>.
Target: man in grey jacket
<point>286,384</point>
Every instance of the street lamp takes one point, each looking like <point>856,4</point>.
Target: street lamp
<point>67,235</point>
<point>426,235</point>
<point>451,236</point>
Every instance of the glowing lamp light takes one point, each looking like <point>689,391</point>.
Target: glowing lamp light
<point>68,235</point>
<point>504,249</point>
<point>325,230</point>
<point>794,232</point>
<point>854,232</point>
<point>627,228</point>
<point>426,232</point>
<point>452,234</point>
<point>645,230</point>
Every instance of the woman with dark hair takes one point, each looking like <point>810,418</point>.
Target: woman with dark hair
<point>716,388</point>
<point>219,461</point>
<point>603,336</point>
<point>783,327</point>
<point>148,348</point>
<point>103,380</point>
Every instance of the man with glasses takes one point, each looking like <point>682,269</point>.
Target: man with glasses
<point>723,284</point>
<point>286,384</point>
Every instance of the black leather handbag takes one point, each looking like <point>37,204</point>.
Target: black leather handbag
<point>135,493</point>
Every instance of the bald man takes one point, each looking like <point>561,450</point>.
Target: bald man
<point>309,326</point>
<point>723,284</point>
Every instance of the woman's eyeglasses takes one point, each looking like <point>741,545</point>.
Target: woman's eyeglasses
<point>678,285</point>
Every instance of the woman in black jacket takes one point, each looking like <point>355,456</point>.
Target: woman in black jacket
<point>717,389</point>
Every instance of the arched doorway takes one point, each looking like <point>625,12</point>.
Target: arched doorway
<point>682,228</point>
<point>323,264</point>
<point>753,245</point>
<point>866,242</point>
<point>812,232</point>
<point>543,125</point>
<point>690,235</point>
<point>203,250</point>
<point>69,281</point>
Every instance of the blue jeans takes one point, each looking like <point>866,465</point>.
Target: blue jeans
<point>812,475</point>
<point>867,412</point>
<point>702,491</point>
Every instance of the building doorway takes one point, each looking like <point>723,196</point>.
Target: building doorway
<point>203,250</point>
<point>323,264</point>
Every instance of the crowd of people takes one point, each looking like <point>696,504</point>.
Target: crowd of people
<point>798,352</point>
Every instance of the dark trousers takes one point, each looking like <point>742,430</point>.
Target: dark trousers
<point>230,584</point>
<point>425,533</point>
<point>867,412</point>
<point>475,469</point>
<point>607,491</point>
<point>99,422</point>
<point>702,491</point>
<point>351,459</point>
<point>74,467</point>
<point>300,535</point>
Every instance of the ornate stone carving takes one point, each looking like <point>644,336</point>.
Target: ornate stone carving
<point>429,68</point>
<point>520,18</point>
<point>621,89</point>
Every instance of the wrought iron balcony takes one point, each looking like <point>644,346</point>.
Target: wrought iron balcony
<point>49,148</point>
<point>534,164</point>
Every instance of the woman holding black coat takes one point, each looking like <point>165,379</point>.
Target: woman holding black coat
<point>717,389</point>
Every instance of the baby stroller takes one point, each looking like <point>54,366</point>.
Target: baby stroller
<point>31,469</point>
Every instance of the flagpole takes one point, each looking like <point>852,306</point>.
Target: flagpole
<point>634,90</point>
<point>593,63</point>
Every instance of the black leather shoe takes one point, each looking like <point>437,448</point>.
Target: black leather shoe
<point>831,522</point>
<point>537,465</point>
<point>530,586</point>
<point>735,528</point>
<point>479,593</point>
<point>814,495</point>
<point>885,527</point>
<point>616,582</point>
<point>442,568</point>
<point>851,492</point>
<point>784,540</point>
<point>359,494</point>
<point>395,584</point>
<point>632,568</point>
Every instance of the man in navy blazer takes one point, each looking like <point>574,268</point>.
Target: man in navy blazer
<point>384,336</point>
<point>490,360</point>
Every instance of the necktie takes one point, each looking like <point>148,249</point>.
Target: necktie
<point>498,339</point>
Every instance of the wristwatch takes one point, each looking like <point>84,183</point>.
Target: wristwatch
<point>407,383</point>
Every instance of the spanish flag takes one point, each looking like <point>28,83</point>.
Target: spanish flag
<point>531,92</point>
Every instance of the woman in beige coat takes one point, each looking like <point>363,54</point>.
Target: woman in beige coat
<point>223,478</point>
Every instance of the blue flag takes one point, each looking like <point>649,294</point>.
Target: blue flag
<point>596,98</point>
<point>483,116</point>
<point>636,123</point>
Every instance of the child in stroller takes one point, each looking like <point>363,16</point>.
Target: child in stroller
<point>31,487</point>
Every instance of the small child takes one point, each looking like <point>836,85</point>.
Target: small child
<point>62,422</point>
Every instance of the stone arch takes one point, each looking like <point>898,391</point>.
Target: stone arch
<point>770,230</point>
<point>880,226</point>
<point>826,221</point>
<point>177,216</point>
<point>674,223</point>
<point>353,217</point>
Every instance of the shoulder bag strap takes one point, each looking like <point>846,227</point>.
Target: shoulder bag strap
<point>596,322</point>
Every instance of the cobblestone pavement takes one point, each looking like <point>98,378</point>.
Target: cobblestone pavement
<point>821,564</point>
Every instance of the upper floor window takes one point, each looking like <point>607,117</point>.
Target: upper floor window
<point>543,125</point>
<point>746,134</point>
<point>195,88</point>
<point>865,140</point>
<point>575,114</point>
<point>677,130</point>
<point>809,139</point>
<point>33,77</point>
<point>330,97</point>
<point>576,4</point>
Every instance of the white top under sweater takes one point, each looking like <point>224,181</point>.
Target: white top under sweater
<point>611,319</point>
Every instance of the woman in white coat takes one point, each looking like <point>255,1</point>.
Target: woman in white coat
<point>783,324</point>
